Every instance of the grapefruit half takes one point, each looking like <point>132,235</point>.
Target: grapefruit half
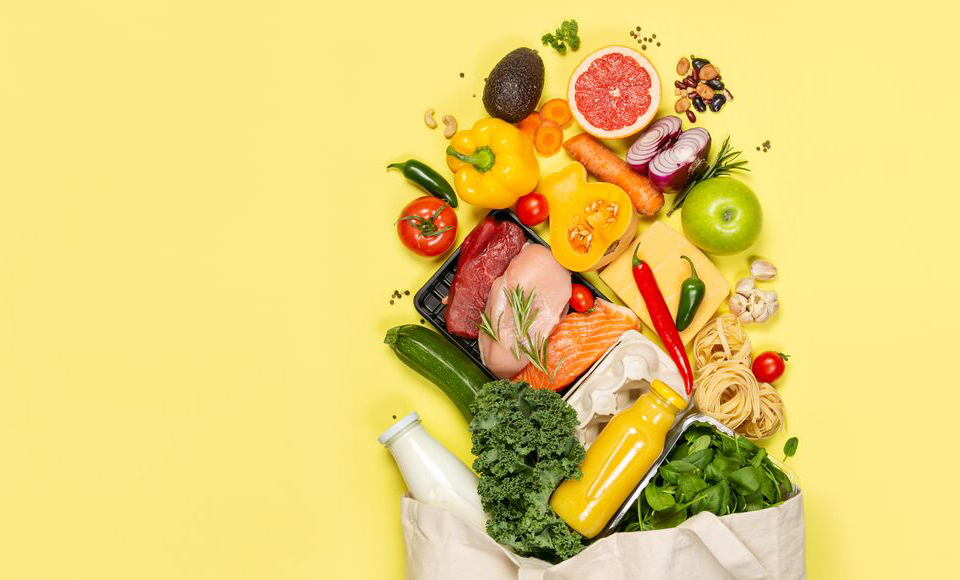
<point>614,92</point>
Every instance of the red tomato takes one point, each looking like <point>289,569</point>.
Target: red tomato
<point>532,209</point>
<point>428,226</point>
<point>581,299</point>
<point>769,366</point>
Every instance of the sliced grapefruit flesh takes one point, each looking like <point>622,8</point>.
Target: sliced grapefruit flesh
<point>614,92</point>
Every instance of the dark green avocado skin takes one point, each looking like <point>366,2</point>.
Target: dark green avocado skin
<point>513,86</point>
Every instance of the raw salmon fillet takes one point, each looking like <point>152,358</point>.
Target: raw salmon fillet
<point>578,342</point>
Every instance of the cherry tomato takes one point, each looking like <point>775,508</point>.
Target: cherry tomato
<point>532,209</point>
<point>427,226</point>
<point>581,299</point>
<point>768,366</point>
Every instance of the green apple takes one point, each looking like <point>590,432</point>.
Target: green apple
<point>722,216</point>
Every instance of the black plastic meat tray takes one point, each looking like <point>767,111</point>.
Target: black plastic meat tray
<point>429,299</point>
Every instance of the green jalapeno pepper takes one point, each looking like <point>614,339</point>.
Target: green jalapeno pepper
<point>427,178</point>
<point>691,295</point>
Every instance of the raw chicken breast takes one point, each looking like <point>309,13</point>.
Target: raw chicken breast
<point>535,270</point>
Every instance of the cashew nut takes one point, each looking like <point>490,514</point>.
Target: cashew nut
<point>450,126</point>
<point>428,119</point>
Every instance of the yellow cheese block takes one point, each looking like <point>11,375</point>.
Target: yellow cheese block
<point>661,246</point>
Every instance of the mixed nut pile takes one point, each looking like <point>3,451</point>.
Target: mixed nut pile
<point>701,87</point>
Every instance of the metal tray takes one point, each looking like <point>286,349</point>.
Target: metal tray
<point>673,437</point>
<point>429,299</point>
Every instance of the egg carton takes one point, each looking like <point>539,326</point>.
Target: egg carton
<point>617,380</point>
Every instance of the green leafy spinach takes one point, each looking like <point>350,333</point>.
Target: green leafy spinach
<point>710,471</point>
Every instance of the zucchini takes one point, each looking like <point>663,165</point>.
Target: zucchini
<point>439,361</point>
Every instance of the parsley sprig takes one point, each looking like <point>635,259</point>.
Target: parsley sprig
<point>566,33</point>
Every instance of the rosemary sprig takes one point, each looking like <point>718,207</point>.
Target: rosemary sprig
<point>489,329</point>
<point>538,357</point>
<point>523,315</point>
<point>724,163</point>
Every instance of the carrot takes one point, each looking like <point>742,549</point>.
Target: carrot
<point>548,138</point>
<point>557,111</point>
<point>530,123</point>
<point>605,165</point>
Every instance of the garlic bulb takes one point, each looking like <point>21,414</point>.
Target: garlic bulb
<point>763,270</point>
<point>751,304</point>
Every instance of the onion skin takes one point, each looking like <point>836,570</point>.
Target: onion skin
<point>662,133</point>
<point>668,173</point>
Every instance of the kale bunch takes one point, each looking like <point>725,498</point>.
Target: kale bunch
<point>525,443</point>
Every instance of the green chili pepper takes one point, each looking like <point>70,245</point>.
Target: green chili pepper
<point>432,182</point>
<point>691,295</point>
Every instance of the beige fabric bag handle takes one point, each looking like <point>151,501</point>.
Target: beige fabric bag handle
<point>725,547</point>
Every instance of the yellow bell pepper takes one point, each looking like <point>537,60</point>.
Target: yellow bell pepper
<point>494,164</point>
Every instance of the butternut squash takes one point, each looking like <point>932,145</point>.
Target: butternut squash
<point>591,223</point>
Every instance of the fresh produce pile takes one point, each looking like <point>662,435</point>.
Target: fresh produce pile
<point>510,308</point>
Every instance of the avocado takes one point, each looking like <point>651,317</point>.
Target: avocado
<point>513,86</point>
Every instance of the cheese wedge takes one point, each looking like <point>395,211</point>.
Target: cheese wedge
<point>661,247</point>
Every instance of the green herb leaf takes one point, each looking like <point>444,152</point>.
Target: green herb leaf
<point>681,451</point>
<point>728,446</point>
<point>567,32</point>
<point>753,502</point>
<point>668,519</point>
<point>689,485</point>
<point>671,471</point>
<point>790,447</point>
<point>701,458</point>
<point>491,330</point>
<point>714,500</point>
<point>657,499</point>
<point>720,468</point>
<point>768,488</point>
<point>747,479</point>
<point>700,443</point>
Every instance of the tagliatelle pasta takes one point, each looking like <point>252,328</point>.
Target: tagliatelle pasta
<point>722,339</point>
<point>726,388</point>
<point>728,392</point>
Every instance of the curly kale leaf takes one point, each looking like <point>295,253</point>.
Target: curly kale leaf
<point>525,444</point>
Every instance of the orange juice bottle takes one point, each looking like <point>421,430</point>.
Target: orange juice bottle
<point>617,461</point>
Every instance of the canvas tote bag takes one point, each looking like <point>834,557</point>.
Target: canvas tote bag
<point>763,544</point>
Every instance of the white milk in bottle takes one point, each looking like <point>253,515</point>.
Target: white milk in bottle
<point>433,474</point>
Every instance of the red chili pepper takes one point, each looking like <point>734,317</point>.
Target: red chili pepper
<point>662,319</point>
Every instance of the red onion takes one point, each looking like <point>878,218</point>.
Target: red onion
<point>654,138</point>
<point>670,169</point>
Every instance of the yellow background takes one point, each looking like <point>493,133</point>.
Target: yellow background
<point>197,256</point>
